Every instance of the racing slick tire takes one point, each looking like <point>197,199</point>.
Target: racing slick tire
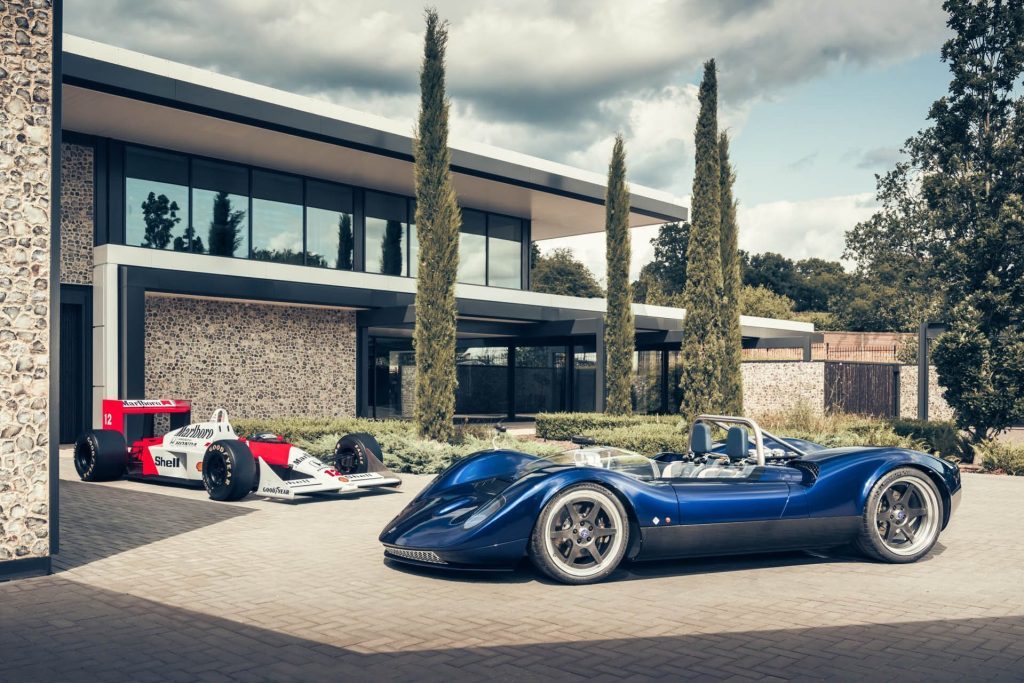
<point>101,455</point>
<point>581,535</point>
<point>229,470</point>
<point>902,517</point>
<point>353,451</point>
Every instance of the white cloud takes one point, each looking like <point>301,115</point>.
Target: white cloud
<point>815,227</point>
<point>797,230</point>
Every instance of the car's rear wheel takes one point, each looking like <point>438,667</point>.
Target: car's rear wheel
<point>581,535</point>
<point>902,518</point>
<point>353,452</point>
<point>101,455</point>
<point>229,470</point>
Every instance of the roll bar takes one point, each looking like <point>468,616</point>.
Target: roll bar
<point>759,434</point>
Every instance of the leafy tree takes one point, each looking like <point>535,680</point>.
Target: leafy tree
<point>669,264</point>
<point>190,242</point>
<point>160,215</point>
<point>702,347</point>
<point>878,302</point>
<point>391,248</point>
<point>820,284</point>
<point>951,216</point>
<point>290,256</point>
<point>437,220</point>
<point>764,303</point>
<point>647,288</point>
<point>559,272</point>
<point>770,270</point>
<point>225,235</point>
<point>620,330</point>
<point>345,242</point>
<point>732,337</point>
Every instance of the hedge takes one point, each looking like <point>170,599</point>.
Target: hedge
<point>564,426</point>
<point>403,450</point>
<point>942,437</point>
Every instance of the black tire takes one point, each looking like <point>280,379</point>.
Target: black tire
<point>572,543</point>
<point>229,470</point>
<point>353,452</point>
<point>101,455</point>
<point>902,517</point>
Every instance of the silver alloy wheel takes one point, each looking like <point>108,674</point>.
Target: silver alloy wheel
<point>907,517</point>
<point>583,532</point>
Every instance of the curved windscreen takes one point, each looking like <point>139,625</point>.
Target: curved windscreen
<point>603,457</point>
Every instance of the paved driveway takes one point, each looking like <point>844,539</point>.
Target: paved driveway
<point>159,583</point>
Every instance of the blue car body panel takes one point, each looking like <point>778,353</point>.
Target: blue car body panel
<point>815,501</point>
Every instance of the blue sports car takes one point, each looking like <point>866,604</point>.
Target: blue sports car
<point>579,514</point>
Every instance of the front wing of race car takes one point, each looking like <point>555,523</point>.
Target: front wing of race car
<point>313,476</point>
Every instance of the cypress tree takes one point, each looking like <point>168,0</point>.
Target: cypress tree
<point>391,248</point>
<point>345,242</point>
<point>732,376</point>
<point>620,332</point>
<point>225,226</point>
<point>702,349</point>
<point>437,220</point>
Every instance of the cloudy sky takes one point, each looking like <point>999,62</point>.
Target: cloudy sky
<point>818,95</point>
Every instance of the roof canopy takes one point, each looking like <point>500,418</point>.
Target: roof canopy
<point>117,93</point>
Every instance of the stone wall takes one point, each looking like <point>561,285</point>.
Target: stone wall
<point>779,386</point>
<point>254,360</point>
<point>938,409</point>
<point>776,387</point>
<point>25,175</point>
<point>76,214</point>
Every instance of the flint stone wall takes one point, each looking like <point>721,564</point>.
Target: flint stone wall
<point>76,214</point>
<point>25,242</point>
<point>771,387</point>
<point>253,360</point>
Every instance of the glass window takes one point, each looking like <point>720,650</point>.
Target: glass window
<point>156,199</point>
<point>540,379</point>
<point>385,232</point>
<point>329,237</point>
<point>414,241</point>
<point>276,217</point>
<point>473,248</point>
<point>483,382</point>
<point>220,208</point>
<point>505,238</point>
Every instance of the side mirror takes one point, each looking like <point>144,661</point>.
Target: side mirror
<point>580,440</point>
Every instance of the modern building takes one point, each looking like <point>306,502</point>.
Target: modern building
<point>249,248</point>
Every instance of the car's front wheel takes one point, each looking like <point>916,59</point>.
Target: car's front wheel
<point>581,535</point>
<point>229,470</point>
<point>902,518</point>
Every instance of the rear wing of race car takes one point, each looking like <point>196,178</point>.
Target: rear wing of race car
<point>116,412</point>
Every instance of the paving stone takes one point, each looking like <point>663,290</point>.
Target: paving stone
<point>159,583</point>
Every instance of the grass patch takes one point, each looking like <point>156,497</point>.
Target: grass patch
<point>1001,457</point>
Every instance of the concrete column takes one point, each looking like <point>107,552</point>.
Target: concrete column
<point>29,255</point>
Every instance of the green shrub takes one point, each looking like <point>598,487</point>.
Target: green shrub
<point>1002,457</point>
<point>648,439</point>
<point>403,450</point>
<point>941,437</point>
<point>564,426</point>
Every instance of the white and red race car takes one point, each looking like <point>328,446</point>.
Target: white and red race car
<point>229,466</point>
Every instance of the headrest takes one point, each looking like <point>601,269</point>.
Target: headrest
<point>737,443</point>
<point>700,439</point>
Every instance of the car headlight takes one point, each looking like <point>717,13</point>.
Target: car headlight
<point>484,512</point>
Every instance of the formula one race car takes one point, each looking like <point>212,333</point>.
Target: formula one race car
<point>229,466</point>
<point>579,514</point>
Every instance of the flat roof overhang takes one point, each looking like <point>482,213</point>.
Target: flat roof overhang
<point>111,92</point>
<point>386,302</point>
